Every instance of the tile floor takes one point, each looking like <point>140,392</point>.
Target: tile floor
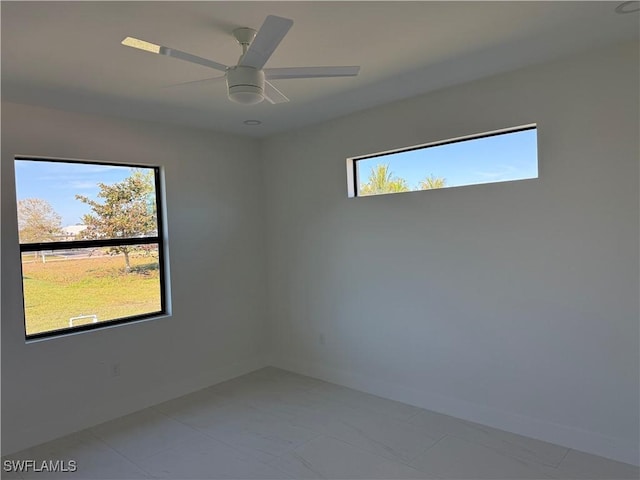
<point>273,424</point>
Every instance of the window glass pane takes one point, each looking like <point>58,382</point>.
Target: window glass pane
<point>69,288</point>
<point>496,158</point>
<point>64,201</point>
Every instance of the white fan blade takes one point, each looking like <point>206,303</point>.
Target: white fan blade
<point>195,82</point>
<point>272,94</point>
<point>310,72</point>
<point>267,40</point>
<point>171,52</point>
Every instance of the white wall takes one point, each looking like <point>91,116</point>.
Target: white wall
<point>511,304</point>
<point>214,192</point>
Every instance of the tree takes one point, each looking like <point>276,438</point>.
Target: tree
<point>128,211</point>
<point>381,180</point>
<point>432,182</point>
<point>37,221</point>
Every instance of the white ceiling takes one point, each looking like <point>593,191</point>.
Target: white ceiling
<point>68,54</point>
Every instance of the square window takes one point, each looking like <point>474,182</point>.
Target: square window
<point>91,244</point>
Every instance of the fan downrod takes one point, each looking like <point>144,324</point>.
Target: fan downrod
<point>244,36</point>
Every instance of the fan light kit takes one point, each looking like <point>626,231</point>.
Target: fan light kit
<point>248,82</point>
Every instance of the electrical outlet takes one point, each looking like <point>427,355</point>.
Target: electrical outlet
<point>114,370</point>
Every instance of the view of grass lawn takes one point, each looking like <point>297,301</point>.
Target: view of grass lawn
<point>60,289</point>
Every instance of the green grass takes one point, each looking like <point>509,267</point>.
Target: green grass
<point>58,290</point>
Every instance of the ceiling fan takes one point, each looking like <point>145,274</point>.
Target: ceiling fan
<point>248,82</point>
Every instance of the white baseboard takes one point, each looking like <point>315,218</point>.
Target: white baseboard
<point>570,437</point>
<point>84,417</point>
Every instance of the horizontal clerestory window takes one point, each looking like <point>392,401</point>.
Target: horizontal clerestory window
<point>501,156</point>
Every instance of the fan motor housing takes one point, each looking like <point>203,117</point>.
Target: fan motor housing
<point>245,84</point>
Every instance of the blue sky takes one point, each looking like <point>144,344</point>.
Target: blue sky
<point>510,156</point>
<point>499,158</point>
<point>58,183</point>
